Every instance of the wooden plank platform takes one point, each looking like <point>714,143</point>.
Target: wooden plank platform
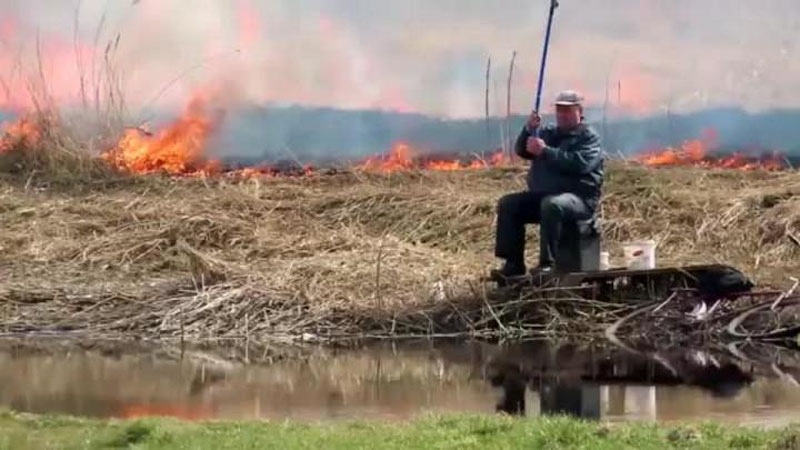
<point>576,278</point>
<point>652,284</point>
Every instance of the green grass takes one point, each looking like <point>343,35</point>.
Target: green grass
<point>436,432</point>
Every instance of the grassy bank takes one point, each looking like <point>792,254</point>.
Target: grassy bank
<point>334,254</point>
<point>33,432</point>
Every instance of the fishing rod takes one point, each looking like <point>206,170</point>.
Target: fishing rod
<point>553,6</point>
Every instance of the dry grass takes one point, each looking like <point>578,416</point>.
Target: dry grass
<point>334,254</point>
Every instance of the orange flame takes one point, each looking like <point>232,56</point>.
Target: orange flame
<point>25,132</point>
<point>403,157</point>
<point>446,166</point>
<point>176,411</point>
<point>177,150</point>
<point>399,158</point>
<point>696,153</point>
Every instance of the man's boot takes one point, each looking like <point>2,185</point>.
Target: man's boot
<point>510,271</point>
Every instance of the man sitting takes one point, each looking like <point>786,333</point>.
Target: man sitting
<point>565,182</point>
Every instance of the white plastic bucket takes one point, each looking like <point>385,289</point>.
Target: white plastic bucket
<point>605,261</point>
<point>640,255</point>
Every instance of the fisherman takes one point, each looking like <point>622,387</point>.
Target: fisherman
<point>565,182</point>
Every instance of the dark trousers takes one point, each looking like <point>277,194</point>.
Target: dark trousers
<point>516,210</point>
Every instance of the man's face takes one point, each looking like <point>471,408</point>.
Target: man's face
<point>568,117</point>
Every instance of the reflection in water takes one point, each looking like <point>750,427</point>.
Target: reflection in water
<point>590,384</point>
<point>392,381</point>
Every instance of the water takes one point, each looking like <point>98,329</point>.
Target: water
<point>745,384</point>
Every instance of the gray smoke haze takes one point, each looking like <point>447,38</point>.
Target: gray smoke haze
<point>319,134</point>
<point>639,58</point>
<point>429,57</point>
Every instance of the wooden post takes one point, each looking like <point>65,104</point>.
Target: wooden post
<point>488,129</point>
<point>509,140</point>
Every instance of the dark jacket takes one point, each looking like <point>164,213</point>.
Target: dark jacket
<point>571,162</point>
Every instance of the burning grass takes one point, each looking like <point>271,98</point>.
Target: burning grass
<point>337,255</point>
<point>38,146</point>
<point>704,152</point>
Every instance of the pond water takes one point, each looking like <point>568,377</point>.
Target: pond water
<point>753,384</point>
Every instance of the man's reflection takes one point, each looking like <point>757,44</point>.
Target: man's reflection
<point>512,382</point>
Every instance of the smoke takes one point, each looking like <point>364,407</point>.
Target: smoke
<point>315,78</point>
<point>422,56</point>
<point>312,135</point>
